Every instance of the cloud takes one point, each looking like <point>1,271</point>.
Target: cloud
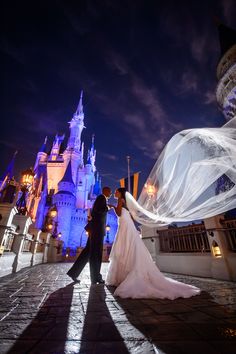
<point>229,11</point>
<point>117,62</point>
<point>109,156</point>
<point>188,82</point>
<point>199,47</point>
<point>149,98</point>
<point>210,97</point>
<point>45,123</point>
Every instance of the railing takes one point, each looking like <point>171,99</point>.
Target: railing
<point>8,242</point>
<point>27,245</point>
<point>184,239</point>
<point>39,246</point>
<point>230,231</point>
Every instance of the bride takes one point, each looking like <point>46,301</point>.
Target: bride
<point>193,179</point>
<point>131,267</point>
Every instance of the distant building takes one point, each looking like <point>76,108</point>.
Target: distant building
<point>226,72</point>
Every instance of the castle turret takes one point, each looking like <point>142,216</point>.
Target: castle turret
<point>41,155</point>
<point>92,155</point>
<point>55,152</point>
<point>97,189</point>
<point>226,72</point>
<point>65,202</point>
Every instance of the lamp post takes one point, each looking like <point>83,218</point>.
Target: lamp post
<point>27,178</point>
<point>51,223</point>
<point>128,167</point>
<point>108,228</point>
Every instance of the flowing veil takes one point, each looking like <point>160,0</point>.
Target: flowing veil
<point>194,178</point>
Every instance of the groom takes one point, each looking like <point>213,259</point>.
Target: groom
<point>93,249</point>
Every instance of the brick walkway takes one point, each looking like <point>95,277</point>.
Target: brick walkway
<point>41,311</point>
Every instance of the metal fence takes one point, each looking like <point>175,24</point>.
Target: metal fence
<point>191,238</point>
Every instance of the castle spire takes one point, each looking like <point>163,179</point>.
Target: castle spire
<point>76,127</point>
<point>80,111</point>
<point>43,147</point>
<point>92,144</point>
<point>9,171</point>
<point>89,158</point>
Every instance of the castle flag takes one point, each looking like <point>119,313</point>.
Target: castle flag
<point>133,184</point>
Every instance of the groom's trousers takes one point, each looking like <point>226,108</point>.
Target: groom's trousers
<point>80,262</point>
<point>92,253</point>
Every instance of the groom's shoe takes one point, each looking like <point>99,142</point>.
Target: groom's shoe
<point>75,280</point>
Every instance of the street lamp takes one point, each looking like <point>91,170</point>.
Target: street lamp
<point>27,178</point>
<point>53,211</point>
<point>51,223</point>
<point>108,228</point>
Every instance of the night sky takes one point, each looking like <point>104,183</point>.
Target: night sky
<point>147,68</point>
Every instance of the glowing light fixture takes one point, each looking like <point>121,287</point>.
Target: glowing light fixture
<point>150,189</point>
<point>49,226</point>
<point>53,211</point>
<point>27,177</point>
<point>216,250</point>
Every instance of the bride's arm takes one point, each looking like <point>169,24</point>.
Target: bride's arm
<point>118,208</point>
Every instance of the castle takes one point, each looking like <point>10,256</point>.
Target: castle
<point>65,183</point>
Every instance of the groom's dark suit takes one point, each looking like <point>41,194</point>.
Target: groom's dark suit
<point>93,249</point>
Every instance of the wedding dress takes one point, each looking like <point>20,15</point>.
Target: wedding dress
<point>133,271</point>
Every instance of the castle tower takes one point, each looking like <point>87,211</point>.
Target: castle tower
<point>226,72</point>
<point>65,200</point>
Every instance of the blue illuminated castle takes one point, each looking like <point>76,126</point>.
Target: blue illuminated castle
<point>65,182</point>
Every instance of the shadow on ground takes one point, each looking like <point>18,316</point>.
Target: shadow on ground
<point>47,332</point>
<point>86,320</point>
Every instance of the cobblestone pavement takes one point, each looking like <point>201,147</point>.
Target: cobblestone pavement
<point>42,311</point>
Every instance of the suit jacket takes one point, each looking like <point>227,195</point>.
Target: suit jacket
<point>99,214</point>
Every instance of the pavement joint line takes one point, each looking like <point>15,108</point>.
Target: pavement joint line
<point>17,291</point>
<point>40,283</point>
<point>5,283</point>
<point>42,300</point>
<point>14,300</point>
<point>20,281</point>
<point>3,318</point>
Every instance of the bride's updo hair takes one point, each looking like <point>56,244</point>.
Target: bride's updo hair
<point>122,192</point>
